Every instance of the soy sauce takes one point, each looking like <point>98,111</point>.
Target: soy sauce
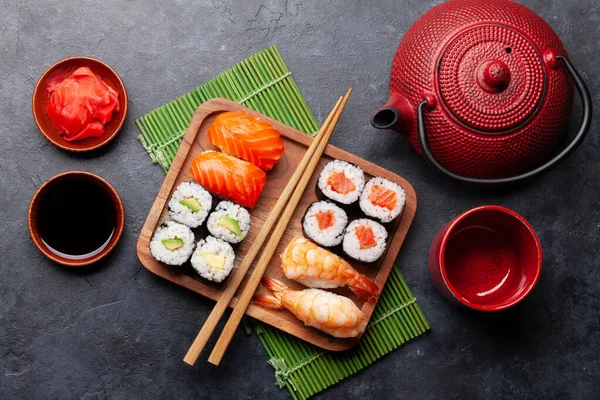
<point>76,217</point>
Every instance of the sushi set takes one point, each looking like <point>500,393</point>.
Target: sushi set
<point>328,224</point>
<point>334,225</point>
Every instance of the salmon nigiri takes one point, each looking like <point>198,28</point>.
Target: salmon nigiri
<point>247,137</point>
<point>228,177</point>
<point>328,312</point>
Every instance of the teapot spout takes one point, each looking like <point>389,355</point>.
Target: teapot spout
<point>396,114</point>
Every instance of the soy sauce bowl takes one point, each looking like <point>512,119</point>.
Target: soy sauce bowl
<point>58,185</point>
<point>61,70</point>
<point>488,258</point>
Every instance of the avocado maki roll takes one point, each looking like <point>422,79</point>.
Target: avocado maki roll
<point>229,222</point>
<point>172,243</point>
<point>213,259</point>
<point>190,204</point>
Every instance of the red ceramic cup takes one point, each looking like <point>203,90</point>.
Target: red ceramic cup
<point>488,258</point>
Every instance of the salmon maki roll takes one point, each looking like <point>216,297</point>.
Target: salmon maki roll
<point>341,182</point>
<point>324,223</point>
<point>382,199</point>
<point>229,177</point>
<point>247,137</point>
<point>365,240</point>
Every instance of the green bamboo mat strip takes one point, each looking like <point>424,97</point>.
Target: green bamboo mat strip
<point>261,82</point>
<point>264,83</point>
<point>305,369</point>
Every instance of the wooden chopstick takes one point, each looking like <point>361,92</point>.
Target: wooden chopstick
<point>246,296</point>
<point>240,272</point>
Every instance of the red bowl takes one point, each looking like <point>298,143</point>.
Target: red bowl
<point>101,253</point>
<point>64,68</point>
<point>488,258</point>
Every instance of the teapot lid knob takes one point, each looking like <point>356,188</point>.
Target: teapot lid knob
<point>493,75</point>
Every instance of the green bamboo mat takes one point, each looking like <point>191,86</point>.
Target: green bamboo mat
<point>264,83</point>
<point>261,82</point>
<point>305,369</point>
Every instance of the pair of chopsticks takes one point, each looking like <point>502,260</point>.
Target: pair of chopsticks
<point>287,203</point>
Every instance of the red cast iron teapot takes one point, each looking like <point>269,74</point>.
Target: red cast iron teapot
<point>483,89</point>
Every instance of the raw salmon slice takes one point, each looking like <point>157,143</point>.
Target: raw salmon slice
<point>247,137</point>
<point>366,237</point>
<point>229,177</point>
<point>340,183</point>
<point>383,197</point>
<point>325,219</point>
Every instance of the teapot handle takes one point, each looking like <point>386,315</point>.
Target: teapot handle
<point>586,119</point>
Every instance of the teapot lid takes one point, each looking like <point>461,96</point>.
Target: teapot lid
<point>491,78</point>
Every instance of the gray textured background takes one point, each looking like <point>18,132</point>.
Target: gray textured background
<point>118,331</point>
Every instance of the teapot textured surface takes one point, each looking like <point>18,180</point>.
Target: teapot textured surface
<point>501,99</point>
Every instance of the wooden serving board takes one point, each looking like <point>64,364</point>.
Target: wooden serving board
<point>296,143</point>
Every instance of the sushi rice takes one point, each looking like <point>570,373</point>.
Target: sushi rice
<point>353,172</point>
<point>232,211</point>
<point>330,236</point>
<point>216,249</point>
<point>172,231</point>
<point>383,214</point>
<point>183,214</point>
<point>352,246</point>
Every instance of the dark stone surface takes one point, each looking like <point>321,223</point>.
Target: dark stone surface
<point>117,331</point>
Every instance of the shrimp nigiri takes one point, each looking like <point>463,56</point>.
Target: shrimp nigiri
<point>328,312</point>
<point>315,267</point>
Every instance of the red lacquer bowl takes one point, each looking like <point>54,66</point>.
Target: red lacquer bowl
<point>63,69</point>
<point>100,253</point>
<point>488,258</point>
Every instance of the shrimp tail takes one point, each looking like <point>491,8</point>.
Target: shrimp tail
<point>273,284</point>
<point>274,300</point>
<point>266,301</point>
<point>365,289</point>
